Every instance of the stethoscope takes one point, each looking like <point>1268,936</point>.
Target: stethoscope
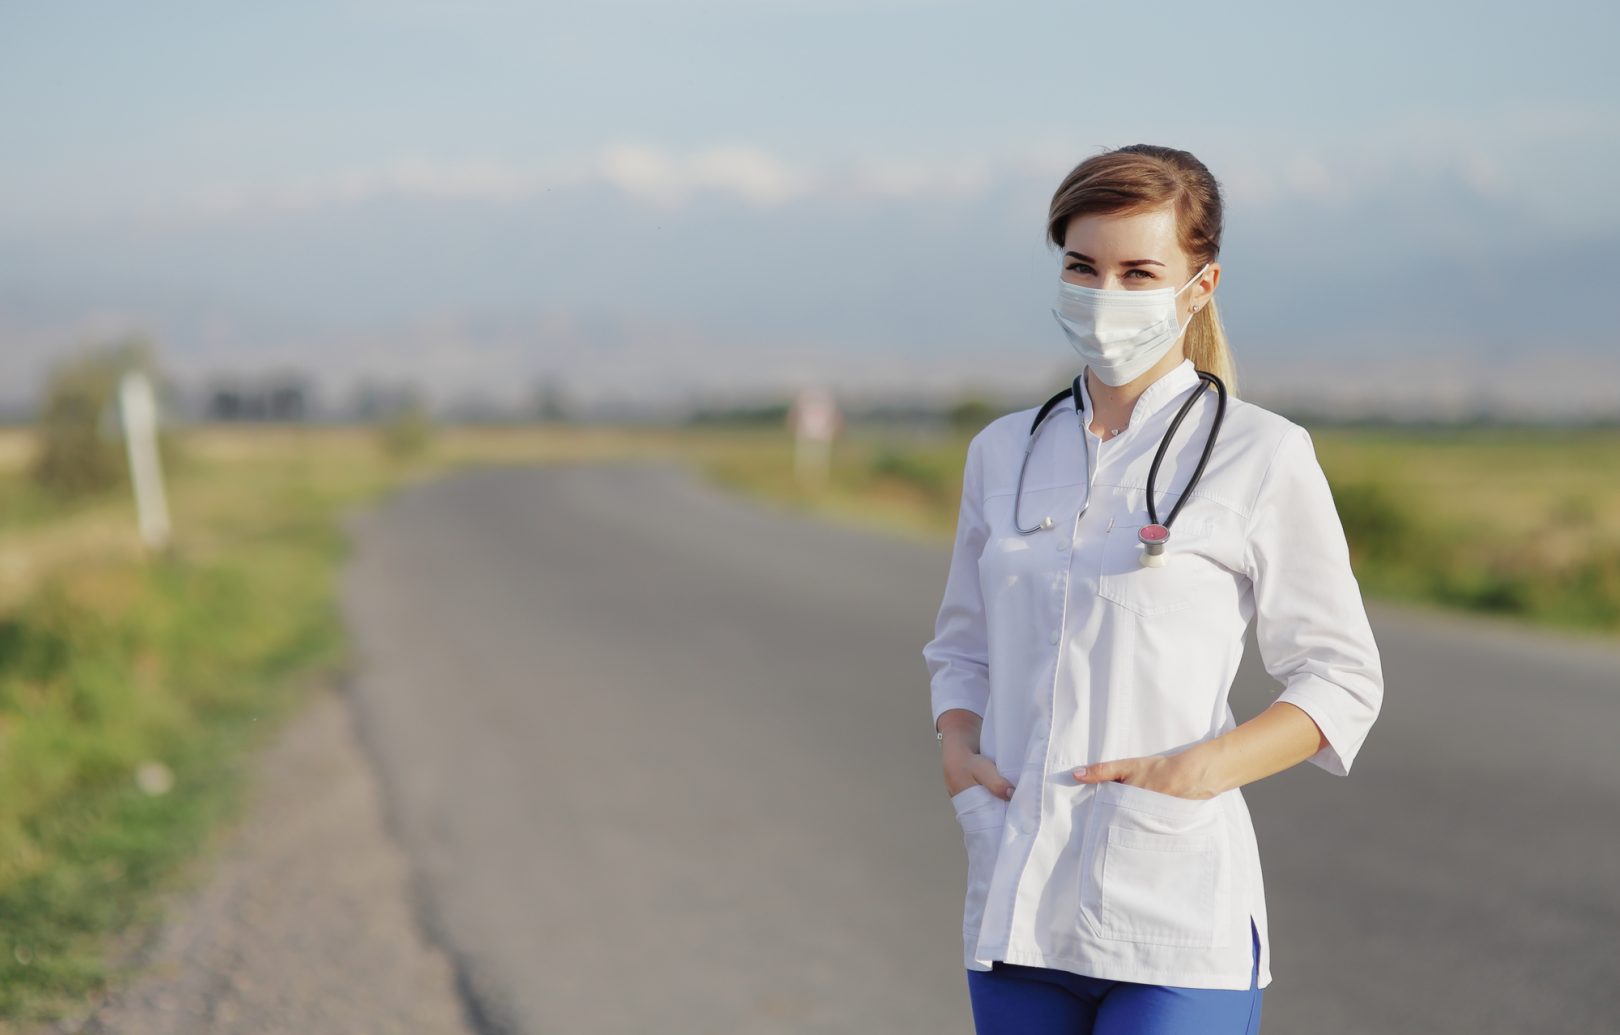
<point>1153,535</point>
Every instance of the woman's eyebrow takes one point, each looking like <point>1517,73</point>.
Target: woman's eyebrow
<point>1127,262</point>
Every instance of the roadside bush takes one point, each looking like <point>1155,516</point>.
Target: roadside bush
<point>972,414</point>
<point>915,470</point>
<point>80,449</point>
<point>1376,526</point>
<point>407,431</point>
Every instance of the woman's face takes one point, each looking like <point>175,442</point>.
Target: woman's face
<point>1134,253</point>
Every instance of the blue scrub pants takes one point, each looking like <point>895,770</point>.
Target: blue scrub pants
<point>1015,999</point>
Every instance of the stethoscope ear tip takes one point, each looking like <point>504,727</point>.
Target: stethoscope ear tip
<point>1046,522</point>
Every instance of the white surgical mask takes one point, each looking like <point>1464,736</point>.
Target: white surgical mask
<point>1121,333</point>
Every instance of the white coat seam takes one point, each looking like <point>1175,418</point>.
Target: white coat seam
<point>1254,507</point>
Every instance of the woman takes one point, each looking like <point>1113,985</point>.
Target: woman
<point>1080,692</point>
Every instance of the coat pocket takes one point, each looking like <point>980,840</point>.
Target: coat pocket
<point>981,815</point>
<point>1156,868</point>
<point>1122,577</point>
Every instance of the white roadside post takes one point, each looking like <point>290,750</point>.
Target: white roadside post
<point>814,420</point>
<point>138,409</point>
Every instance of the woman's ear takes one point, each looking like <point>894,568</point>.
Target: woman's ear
<point>1199,294</point>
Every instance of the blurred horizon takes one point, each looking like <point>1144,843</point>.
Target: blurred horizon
<point>663,206</point>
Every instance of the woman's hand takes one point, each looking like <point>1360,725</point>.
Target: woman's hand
<point>1181,775</point>
<point>964,766</point>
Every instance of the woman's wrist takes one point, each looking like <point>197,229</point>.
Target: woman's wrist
<point>1280,736</point>
<point>1203,766</point>
<point>959,727</point>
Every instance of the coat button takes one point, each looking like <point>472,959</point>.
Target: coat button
<point>1052,637</point>
<point>1062,544</point>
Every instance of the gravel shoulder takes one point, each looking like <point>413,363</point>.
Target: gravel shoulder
<point>305,919</point>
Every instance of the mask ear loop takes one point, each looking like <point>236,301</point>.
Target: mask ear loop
<point>1194,280</point>
<point>1194,310</point>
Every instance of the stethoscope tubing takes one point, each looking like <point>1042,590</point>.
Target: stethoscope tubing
<point>1205,380</point>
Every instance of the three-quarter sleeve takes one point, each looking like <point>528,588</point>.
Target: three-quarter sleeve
<point>1311,623</point>
<point>958,655</point>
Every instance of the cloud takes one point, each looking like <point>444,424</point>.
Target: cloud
<point>670,180</point>
<point>1506,152</point>
<point>410,177</point>
<point>752,176</point>
<point>661,177</point>
<point>1499,154</point>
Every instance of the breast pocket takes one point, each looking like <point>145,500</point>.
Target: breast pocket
<point>1125,580</point>
<point>1156,867</point>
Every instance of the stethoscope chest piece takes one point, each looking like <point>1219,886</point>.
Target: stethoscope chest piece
<point>1153,538</point>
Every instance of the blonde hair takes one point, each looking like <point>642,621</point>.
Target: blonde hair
<point>1141,177</point>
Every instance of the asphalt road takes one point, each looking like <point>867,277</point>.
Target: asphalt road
<point>661,759</point>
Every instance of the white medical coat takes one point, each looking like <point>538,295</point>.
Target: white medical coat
<point>1074,652</point>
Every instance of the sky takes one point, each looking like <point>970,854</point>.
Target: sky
<point>656,203</point>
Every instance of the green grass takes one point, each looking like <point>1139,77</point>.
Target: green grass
<point>188,661</point>
<point>1519,522</point>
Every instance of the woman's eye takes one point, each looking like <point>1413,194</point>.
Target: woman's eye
<point>1079,267</point>
<point>1145,274</point>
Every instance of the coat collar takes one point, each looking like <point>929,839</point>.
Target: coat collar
<point>1169,385</point>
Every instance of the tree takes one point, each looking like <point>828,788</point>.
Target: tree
<point>80,449</point>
